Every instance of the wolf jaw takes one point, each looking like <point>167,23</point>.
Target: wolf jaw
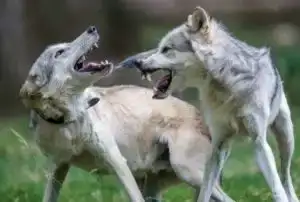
<point>167,49</point>
<point>80,62</point>
<point>82,66</point>
<point>65,73</point>
<point>162,85</point>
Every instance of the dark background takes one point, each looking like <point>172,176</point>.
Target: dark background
<point>127,27</point>
<point>130,26</point>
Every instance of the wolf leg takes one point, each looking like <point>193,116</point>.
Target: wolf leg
<point>188,161</point>
<point>55,181</point>
<point>283,131</point>
<point>113,156</point>
<point>103,146</point>
<point>256,125</point>
<point>213,168</point>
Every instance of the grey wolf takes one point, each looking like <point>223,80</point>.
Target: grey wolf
<point>241,93</point>
<point>68,130</point>
<point>149,144</point>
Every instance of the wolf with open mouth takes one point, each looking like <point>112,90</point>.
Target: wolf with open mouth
<point>241,93</point>
<point>173,54</point>
<point>119,128</point>
<point>62,65</point>
<point>66,123</point>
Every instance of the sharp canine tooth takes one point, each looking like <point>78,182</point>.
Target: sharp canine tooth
<point>148,77</point>
<point>81,59</point>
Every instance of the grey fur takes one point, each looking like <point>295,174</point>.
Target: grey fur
<point>177,44</point>
<point>54,89</point>
<point>241,93</point>
<point>150,145</point>
<point>128,62</point>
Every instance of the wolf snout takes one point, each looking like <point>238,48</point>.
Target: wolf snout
<point>92,29</point>
<point>138,63</point>
<point>131,62</point>
<point>27,90</point>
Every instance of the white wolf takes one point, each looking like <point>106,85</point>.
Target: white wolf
<point>163,141</point>
<point>241,93</point>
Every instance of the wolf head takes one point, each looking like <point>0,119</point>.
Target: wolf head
<point>61,72</point>
<point>175,52</point>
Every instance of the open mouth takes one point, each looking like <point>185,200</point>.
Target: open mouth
<point>162,85</point>
<point>82,65</point>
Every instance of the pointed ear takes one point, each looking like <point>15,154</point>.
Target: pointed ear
<point>198,20</point>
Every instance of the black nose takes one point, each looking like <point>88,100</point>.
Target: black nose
<point>91,29</point>
<point>137,63</point>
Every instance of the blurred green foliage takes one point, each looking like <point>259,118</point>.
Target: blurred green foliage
<point>23,173</point>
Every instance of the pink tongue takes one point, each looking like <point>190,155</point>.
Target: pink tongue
<point>162,86</point>
<point>92,65</point>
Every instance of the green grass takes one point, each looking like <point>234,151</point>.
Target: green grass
<point>23,173</point>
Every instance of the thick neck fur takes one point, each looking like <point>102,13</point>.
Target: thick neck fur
<point>77,105</point>
<point>72,106</point>
<point>222,40</point>
<point>235,65</point>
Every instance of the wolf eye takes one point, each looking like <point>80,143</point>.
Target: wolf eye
<point>165,49</point>
<point>59,52</point>
<point>33,77</point>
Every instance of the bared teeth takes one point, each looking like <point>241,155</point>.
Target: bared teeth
<point>147,76</point>
<point>95,45</point>
<point>82,59</point>
<point>105,62</point>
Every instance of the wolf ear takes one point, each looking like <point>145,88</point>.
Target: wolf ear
<point>198,20</point>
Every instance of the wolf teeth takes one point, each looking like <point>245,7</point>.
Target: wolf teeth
<point>82,59</point>
<point>147,77</point>
<point>105,62</point>
<point>95,45</point>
